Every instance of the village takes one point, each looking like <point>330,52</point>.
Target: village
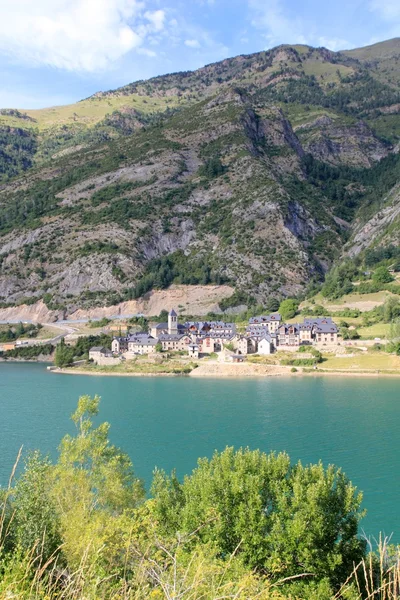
<point>263,335</point>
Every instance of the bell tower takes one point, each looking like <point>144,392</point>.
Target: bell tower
<point>172,322</point>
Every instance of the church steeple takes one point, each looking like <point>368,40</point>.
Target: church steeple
<point>172,322</point>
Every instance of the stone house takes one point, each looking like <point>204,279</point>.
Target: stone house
<point>222,328</point>
<point>326,334</point>
<point>119,345</point>
<point>244,345</point>
<point>291,335</point>
<point>270,322</point>
<point>216,327</point>
<point>197,327</point>
<point>324,330</point>
<point>142,344</point>
<point>306,333</point>
<point>174,342</point>
<point>237,358</point>
<point>102,356</point>
<point>206,344</point>
<point>173,327</point>
<point>97,351</point>
<point>193,350</point>
<point>265,345</point>
<point>288,335</point>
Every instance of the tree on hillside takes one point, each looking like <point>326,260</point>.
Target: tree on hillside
<point>163,316</point>
<point>288,308</point>
<point>338,281</point>
<point>391,309</point>
<point>281,519</point>
<point>272,305</point>
<point>382,275</point>
<point>213,167</point>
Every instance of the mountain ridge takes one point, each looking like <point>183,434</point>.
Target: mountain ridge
<point>255,171</point>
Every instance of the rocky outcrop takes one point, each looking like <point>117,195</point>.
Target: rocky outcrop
<point>354,145</point>
<point>200,299</point>
<point>220,180</point>
<point>380,229</point>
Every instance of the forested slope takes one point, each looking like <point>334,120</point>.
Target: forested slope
<point>255,171</point>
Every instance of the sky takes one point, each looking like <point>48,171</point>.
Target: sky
<point>60,51</point>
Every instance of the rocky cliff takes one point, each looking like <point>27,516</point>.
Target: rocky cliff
<point>253,172</point>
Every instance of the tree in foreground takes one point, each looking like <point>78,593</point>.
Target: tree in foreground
<point>284,520</point>
<point>244,525</point>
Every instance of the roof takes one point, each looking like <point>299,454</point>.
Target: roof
<point>317,320</point>
<point>145,340</point>
<point>101,350</point>
<point>134,336</point>
<point>170,337</point>
<point>326,328</point>
<point>265,338</point>
<point>204,325</point>
<point>165,326</point>
<point>172,313</point>
<point>257,331</point>
<point>215,335</point>
<point>287,326</point>
<point>265,319</point>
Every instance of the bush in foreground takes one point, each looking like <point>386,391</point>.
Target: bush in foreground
<point>243,525</point>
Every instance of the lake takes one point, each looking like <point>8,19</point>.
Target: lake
<point>169,422</point>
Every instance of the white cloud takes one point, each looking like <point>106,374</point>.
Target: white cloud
<point>269,17</point>
<point>334,44</point>
<point>277,27</point>
<point>389,13</point>
<point>192,43</point>
<point>387,9</point>
<point>156,19</point>
<point>77,35</point>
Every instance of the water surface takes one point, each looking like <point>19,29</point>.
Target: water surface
<point>169,422</point>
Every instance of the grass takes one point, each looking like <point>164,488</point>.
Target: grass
<point>142,366</point>
<point>44,333</point>
<point>87,112</point>
<point>378,330</point>
<point>328,71</point>
<point>371,362</point>
<point>361,301</point>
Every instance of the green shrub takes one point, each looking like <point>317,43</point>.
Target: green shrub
<point>100,323</point>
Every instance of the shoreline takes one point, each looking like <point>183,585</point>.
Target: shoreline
<point>234,373</point>
<point>67,371</point>
<point>26,360</point>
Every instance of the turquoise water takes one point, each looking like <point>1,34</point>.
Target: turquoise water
<point>169,422</point>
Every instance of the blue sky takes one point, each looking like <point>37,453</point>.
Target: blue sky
<point>59,51</point>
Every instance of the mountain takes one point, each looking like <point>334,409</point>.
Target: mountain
<point>258,171</point>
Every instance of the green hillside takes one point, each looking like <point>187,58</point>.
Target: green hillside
<point>258,171</point>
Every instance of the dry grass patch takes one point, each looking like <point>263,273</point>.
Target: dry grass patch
<point>363,362</point>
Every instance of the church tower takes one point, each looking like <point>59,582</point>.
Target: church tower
<point>172,323</point>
